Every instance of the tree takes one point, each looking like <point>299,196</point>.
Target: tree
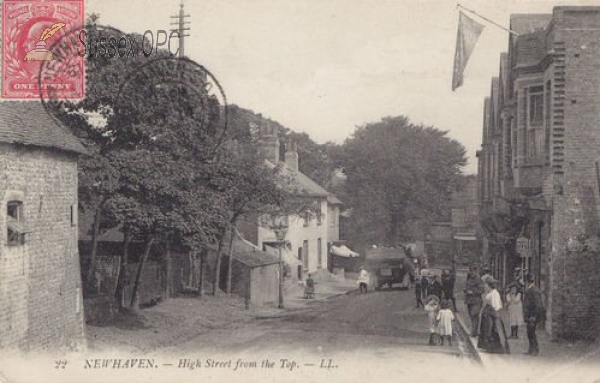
<point>154,156</point>
<point>396,171</point>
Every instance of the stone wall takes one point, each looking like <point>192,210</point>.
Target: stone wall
<point>40,282</point>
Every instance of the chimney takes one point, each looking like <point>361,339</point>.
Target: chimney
<point>270,143</point>
<point>291,155</point>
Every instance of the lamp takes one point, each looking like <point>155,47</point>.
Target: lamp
<point>280,228</point>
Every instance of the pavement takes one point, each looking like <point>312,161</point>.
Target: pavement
<point>568,355</point>
<point>327,286</point>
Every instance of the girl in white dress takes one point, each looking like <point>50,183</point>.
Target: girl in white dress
<point>444,319</point>
<point>514,302</point>
<point>432,308</point>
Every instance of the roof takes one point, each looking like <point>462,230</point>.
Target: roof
<point>333,200</point>
<point>250,256</point>
<point>531,47</point>
<point>523,23</point>
<point>302,183</point>
<point>379,253</point>
<point>28,123</point>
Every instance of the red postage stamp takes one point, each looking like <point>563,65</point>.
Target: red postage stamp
<point>39,54</point>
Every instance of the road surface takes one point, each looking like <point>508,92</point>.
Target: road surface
<point>381,328</point>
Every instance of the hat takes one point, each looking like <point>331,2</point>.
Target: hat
<point>487,278</point>
<point>433,297</point>
<point>530,278</point>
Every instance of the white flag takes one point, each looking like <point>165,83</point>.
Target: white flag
<point>466,38</point>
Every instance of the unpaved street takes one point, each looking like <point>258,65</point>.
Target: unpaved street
<point>379,321</point>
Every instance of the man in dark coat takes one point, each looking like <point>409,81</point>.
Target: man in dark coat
<point>533,313</point>
<point>419,292</point>
<point>425,286</point>
<point>436,287</point>
<point>448,280</point>
<point>473,299</point>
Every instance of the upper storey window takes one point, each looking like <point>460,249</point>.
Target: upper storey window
<point>535,136</point>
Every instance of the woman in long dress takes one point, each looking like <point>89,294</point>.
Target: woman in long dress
<point>492,336</point>
<point>514,302</point>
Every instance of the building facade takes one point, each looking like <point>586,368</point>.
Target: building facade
<point>40,278</point>
<point>538,167</point>
<point>307,236</point>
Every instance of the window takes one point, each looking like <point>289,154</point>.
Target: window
<point>548,119</point>
<point>306,217</point>
<point>305,254</point>
<point>14,223</point>
<point>319,213</point>
<point>319,253</point>
<point>535,140</point>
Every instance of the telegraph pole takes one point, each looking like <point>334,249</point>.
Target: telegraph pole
<point>181,23</point>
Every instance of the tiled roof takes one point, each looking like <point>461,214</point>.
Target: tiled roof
<point>302,183</point>
<point>28,123</point>
<point>250,256</point>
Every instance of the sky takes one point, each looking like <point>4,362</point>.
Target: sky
<point>325,67</point>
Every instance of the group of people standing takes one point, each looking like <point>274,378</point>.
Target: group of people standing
<point>440,304</point>
<point>442,288</point>
<point>484,304</point>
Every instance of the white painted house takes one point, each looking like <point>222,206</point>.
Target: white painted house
<point>307,238</point>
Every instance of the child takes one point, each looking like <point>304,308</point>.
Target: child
<point>444,319</point>
<point>363,280</point>
<point>309,289</point>
<point>515,311</point>
<point>432,308</point>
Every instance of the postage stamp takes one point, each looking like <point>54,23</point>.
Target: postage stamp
<point>30,29</point>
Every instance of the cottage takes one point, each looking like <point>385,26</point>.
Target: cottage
<point>40,279</point>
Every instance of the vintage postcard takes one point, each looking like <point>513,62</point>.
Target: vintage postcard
<point>300,191</point>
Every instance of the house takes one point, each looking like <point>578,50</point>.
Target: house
<point>466,233</point>
<point>307,237</point>
<point>254,273</point>
<point>40,278</point>
<point>538,167</point>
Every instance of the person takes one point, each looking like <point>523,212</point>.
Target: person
<point>436,287</point>
<point>473,299</point>
<point>448,280</point>
<point>432,308</point>
<point>363,280</point>
<point>419,292</point>
<point>534,313</point>
<point>309,289</point>
<point>486,274</point>
<point>444,318</point>
<point>492,335</point>
<point>425,284</point>
<point>515,311</point>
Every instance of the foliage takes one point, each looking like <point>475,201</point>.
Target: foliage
<point>396,171</point>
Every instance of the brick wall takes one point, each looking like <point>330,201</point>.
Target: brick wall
<point>575,299</point>
<point>40,283</point>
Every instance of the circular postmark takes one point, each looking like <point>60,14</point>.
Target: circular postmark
<point>62,76</point>
<point>175,89</point>
<point>123,82</point>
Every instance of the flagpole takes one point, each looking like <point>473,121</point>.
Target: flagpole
<point>488,20</point>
